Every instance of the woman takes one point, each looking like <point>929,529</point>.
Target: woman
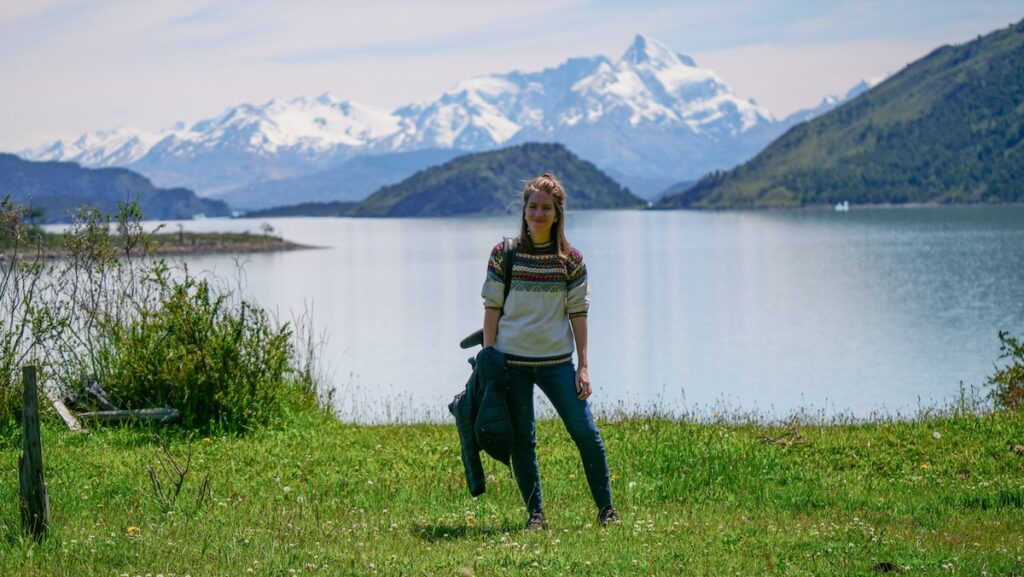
<point>536,326</point>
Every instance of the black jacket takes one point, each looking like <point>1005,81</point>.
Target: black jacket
<point>481,417</point>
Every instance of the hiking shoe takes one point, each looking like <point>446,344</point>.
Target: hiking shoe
<point>607,516</point>
<point>536,522</point>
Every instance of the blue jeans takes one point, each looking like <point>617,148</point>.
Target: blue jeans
<point>558,383</point>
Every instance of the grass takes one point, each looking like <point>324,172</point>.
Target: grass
<point>935,496</point>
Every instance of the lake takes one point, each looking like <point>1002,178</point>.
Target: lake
<point>857,314</point>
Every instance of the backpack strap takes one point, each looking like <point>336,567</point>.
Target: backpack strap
<point>509,254</point>
<point>509,259</point>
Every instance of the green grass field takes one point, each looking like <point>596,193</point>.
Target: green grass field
<point>933,496</point>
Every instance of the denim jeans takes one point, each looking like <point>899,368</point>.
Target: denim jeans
<point>558,383</point>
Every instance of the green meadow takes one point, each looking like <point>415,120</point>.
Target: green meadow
<point>314,496</point>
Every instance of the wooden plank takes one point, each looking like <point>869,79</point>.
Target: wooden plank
<point>164,415</point>
<point>62,410</point>
<point>34,501</point>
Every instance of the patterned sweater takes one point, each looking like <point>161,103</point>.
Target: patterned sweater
<point>546,292</point>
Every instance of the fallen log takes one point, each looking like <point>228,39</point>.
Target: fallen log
<point>100,396</point>
<point>163,415</point>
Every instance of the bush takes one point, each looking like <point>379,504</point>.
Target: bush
<point>215,360</point>
<point>153,336</point>
<point>1008,382</point>
<point>21,273</point>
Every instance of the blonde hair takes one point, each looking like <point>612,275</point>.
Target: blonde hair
<point>549,184</point>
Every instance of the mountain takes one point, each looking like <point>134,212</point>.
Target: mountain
<point>491,182</point>
<point>352,180</point>
<point>949,128</point>
<point>245,144</point>
<point>61,187</point>
<point>335,208</point>
<point>651,117</point>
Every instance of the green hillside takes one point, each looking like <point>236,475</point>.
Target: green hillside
<point>336,208</point>
<point>60,188</point>
<point>949,128</point>
<point>490,183</point>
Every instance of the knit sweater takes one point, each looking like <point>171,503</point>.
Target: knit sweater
<point>547,290</point>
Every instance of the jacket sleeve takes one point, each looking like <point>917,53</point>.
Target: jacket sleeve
<point>465,415</point>
<point>578,298</point>
<point>493,291</point>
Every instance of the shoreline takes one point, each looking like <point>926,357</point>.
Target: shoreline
<point>654,208</point>
<point>192,245</point>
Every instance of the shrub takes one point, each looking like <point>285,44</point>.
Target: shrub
<point>1008,382</point>
<point>215,360</point>
<point>21,273</point>
<point>152,335</point>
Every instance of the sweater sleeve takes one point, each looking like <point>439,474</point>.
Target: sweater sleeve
<point>493,291</point>
<point>578,298</point>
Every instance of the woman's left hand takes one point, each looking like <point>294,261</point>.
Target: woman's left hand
<point>582,383</point>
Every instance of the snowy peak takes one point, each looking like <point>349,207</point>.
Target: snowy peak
<point>648,52</point>
<point>651,111</point>
<point>303,125</point>
<point>117,147</point>
<point>319,123</point>
<point>649,85</point>
<point>663,87</point>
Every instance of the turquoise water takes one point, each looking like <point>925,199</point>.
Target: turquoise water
<point>859,313</point>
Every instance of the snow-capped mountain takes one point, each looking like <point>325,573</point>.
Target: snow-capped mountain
<point>650,116</point>
<point>118,147</point>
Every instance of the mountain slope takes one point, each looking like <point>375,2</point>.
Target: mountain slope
<point>490,183</point>
<point>949,128</point>
<point>59,188</point>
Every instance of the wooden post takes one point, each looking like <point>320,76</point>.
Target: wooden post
<point>35,503</point>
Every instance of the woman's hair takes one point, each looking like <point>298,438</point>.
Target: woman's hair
<point>549,184</point>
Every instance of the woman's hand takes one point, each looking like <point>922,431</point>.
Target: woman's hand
<point>582,383</point>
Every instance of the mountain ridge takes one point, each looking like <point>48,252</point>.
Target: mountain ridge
<point>682,121</point>
<point>60,188</point>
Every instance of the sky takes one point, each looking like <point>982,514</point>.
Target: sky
<point>72,66</point>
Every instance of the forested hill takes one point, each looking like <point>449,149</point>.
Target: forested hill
<point>60,188</point>
<point>949,128</point>
<point>490,183</point>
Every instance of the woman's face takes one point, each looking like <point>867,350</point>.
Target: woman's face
<point>540,215</point>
